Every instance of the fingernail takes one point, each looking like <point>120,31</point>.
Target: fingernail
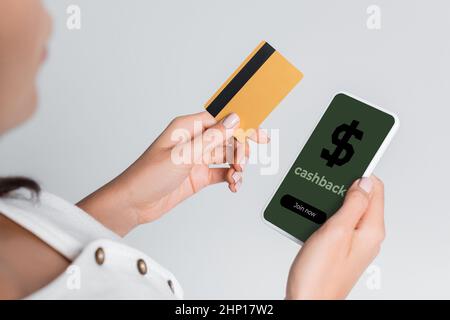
<point>236,176</point>
<point>238,185</point>
<point>366,184</point>
<point>231,121</point>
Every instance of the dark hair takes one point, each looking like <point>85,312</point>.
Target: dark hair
<point>10,184</point>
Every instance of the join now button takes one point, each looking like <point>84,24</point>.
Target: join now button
<point>302,208</point>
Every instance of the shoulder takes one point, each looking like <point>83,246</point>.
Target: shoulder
<point>59,223</point>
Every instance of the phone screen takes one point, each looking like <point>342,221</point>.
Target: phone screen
<point>338,152</point>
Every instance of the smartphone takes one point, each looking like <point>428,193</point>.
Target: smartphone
<point>346,144</point>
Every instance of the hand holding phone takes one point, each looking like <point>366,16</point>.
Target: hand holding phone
<point>346,144</point>
<point>335,256</point>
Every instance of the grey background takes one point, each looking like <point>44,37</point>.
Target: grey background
<point>110,88</point>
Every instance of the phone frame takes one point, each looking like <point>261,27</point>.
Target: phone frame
<point>376,158</point>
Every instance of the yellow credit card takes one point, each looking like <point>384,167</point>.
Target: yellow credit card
<point>255,88</point>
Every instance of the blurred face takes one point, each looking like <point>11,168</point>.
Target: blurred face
<point>24,30</point>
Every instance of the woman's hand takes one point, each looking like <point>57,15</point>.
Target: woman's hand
<point>173,168</point>
<point>334,257</point>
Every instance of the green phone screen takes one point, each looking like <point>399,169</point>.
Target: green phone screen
<point>338,152</point>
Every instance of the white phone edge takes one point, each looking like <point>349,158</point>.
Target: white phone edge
<point>367,172</point>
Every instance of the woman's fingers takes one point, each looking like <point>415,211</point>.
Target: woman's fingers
<point>241,155</point>
<point>201,130</point>
<point>199,150</point>
<point>184,128</point>
<point>218,175</point>
<point>217,135</point>
<point>229,175</point>
<point>234,179</point>
<point>222,154</point>
<point>355,204</point>
<point>373,219</point>
<point>207,141</point>
<point>235,154</point>
<point>259,136</point>
<point>370,231</point>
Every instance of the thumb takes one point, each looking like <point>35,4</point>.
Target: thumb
<point>355,204</point>
<point>213,137</point>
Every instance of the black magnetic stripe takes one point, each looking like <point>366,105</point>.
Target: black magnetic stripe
<point>240,79</point>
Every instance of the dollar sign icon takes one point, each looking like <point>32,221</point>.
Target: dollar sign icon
<point>342,144</point>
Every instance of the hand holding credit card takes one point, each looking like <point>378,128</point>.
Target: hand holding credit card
<point>255,88</point>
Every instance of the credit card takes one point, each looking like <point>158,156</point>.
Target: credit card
<point>255,88</point>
